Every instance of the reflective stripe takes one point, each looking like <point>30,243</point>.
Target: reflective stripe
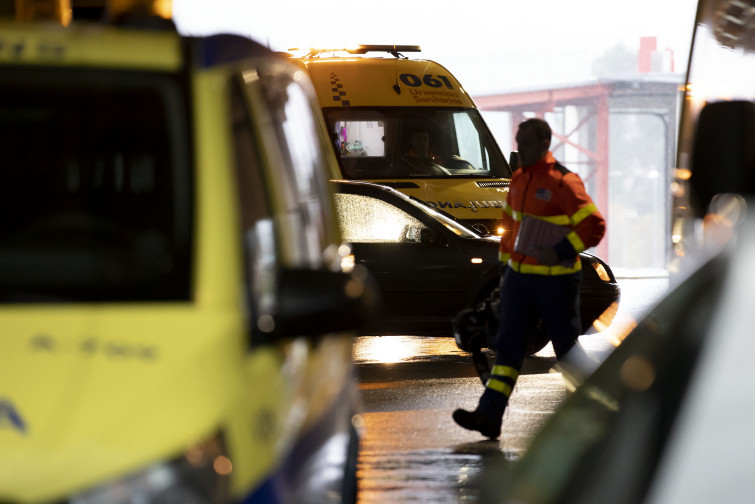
<point>560,220</point>
<point>499,386</point>
<point>575,241</point>
<point>539,269</point>
<point>583,213</point>
<point>503,256</point>
<point>508,371</point>
<point>507,208</point>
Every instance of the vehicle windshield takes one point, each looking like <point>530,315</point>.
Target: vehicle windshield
<point>414,142</point>
<point>95,191</point>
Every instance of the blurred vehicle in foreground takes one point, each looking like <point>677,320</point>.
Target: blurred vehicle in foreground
<point>430,266</point>
<point>667,417</point>
<point>716,156</point>
<point>172,302</point>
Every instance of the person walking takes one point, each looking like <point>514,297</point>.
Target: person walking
<point>551,219</point>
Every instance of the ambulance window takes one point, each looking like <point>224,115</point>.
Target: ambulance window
<point>468,140</point>
<point>297,152</point>
<point>364,219</point>
<point>360,138</point>
<point>95,187</point>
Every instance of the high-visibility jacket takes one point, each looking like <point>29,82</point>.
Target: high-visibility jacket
<point>546,190</point>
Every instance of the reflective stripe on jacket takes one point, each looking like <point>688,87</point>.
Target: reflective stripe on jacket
<point>548,191</point>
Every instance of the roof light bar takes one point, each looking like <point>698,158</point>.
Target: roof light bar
<point>395,50</point>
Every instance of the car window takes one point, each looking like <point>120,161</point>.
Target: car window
<point>364,219</point>
<point>95,186</point>
<point>377,142</point>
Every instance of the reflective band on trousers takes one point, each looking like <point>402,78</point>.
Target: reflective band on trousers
<point>539,269</point>
<point>499,386</point>
<point>508,371</point>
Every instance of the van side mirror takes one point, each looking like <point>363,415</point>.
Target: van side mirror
<point>514,161</point>
<point>723,155</point>
<point>314,302</point>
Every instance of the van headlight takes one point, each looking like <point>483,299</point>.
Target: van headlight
<point>200,476</point>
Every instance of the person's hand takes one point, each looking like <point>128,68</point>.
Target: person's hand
<point>546,255</point>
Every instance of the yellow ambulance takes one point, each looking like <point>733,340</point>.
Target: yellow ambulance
<point>172,294</point>
<point>409,124</point>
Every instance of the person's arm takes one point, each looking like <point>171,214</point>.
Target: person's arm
<point>588,224</point>
<point>507,238</point>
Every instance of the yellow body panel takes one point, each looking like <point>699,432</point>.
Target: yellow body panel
<point>462,198</point>
<point>370,82</point>
<point>89,45</point>
<point>102,390</point>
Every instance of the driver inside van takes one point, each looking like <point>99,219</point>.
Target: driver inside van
<point>420,157</point>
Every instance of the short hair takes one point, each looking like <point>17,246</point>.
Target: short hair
<point>542,130</point>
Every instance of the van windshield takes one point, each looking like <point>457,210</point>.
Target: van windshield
<point>414,142</point>
<point>95,192</point>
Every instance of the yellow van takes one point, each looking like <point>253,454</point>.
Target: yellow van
<point>409,124</point>
<point>172,302</point>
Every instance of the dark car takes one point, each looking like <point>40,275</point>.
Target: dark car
<point>430,266</point>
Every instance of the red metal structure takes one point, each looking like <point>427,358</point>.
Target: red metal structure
<point>595,103</point>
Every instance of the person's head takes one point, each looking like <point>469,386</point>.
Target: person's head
<point>419,141</point>
<point>533,138</point>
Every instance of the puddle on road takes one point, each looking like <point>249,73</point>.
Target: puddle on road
<point>393,349</point>
<point>427,476</point>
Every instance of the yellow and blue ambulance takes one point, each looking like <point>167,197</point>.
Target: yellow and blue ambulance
<point>376,107</point>
<point>173,304</point>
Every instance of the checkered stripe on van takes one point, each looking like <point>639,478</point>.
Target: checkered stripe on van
<point>339,95</point>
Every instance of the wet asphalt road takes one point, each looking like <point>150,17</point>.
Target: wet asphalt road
<point>411,449</point>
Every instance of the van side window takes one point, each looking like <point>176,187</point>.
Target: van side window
<point>257,227</point>
<point>299,151</point>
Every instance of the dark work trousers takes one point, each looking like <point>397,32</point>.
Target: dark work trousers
<point>526,298</point>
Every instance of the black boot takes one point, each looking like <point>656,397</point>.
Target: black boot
<point>487,417</point>
<point>477,421</point>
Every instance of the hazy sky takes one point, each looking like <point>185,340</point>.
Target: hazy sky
<point>489,45</point>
